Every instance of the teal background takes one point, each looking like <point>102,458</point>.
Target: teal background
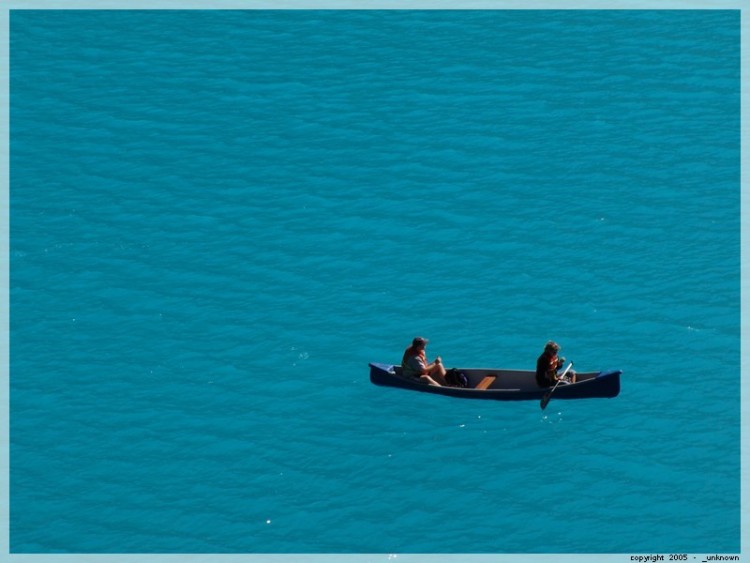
<point>219,218</point>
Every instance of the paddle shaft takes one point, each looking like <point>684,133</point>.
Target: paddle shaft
<point>548,395</point>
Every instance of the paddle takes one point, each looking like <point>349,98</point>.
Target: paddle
<point>548,394</point>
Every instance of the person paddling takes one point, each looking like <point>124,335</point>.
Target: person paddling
<point>415,364</point>
<point>547,365</point>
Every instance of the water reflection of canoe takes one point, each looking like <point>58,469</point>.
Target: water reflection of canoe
<point>504,384</point>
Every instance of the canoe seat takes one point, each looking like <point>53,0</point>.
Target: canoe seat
<point>486,382</point>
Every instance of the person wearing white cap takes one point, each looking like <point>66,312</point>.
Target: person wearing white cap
<point>415,364</point>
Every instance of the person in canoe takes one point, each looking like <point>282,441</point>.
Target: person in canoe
<point>415,364</point>
<point>547,365</point>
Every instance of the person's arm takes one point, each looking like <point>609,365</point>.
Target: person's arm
<point>429,367</point>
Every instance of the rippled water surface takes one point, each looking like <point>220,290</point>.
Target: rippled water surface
<point>219,218</point>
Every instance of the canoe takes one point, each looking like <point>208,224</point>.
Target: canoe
<point>504,384</point>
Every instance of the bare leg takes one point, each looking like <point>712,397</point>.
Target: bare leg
<point>429,380</point>
<point>438,372</point>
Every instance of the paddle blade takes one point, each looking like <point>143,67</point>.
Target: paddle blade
<point>548,395</point>
<point>545,400</point>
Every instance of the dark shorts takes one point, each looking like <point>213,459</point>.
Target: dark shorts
<point>410,374</point>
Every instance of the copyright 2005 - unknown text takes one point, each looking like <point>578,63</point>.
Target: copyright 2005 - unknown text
<point>682,557</point>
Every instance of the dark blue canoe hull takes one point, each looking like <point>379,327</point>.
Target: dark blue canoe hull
<point>508,385</point>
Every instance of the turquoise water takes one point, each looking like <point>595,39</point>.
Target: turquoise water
<point>219,218</point>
